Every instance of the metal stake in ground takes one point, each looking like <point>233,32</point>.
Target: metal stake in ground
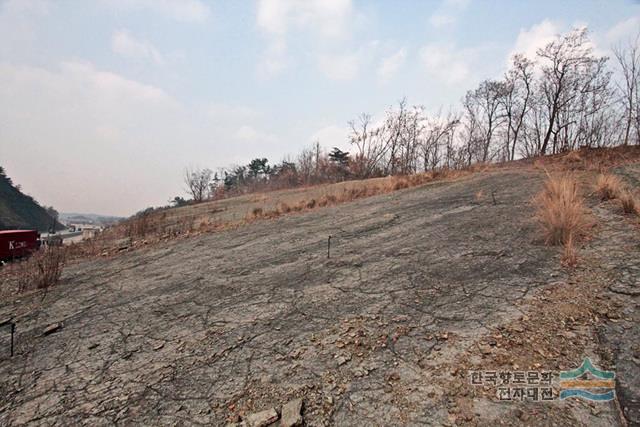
<point>12,324</point>
<point>13,330</point>
<point>329,247</point>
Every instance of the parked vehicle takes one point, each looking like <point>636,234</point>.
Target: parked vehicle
<point>18,243</point>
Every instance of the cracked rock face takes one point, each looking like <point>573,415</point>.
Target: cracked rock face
<point>214,328</point>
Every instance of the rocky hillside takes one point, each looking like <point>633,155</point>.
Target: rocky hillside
<point>18,210</point>
<point>421,288</point>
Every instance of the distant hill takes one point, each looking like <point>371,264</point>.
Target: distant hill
<point>88,218</point>
<point>18,210</point>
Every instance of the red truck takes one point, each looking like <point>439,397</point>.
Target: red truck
<point>18,243</point>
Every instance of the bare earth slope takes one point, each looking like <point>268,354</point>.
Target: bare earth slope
<point>208,329</point>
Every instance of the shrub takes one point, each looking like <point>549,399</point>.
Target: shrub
<point>560,211</point>
<point>608,186</point>
<point>400,183</point>
<point>255,213</point>
<point>629,203</point>
<point>41,270</point>
<point>322,201</point>
<point>139,225</point>
<point>570,254</point>
<point>283,207</point>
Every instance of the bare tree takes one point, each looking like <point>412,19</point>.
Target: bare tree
<point>439,131</point>
<point>371,146</point>
<point>569,70</point>
<point>629,61</point>
<point>483,116</point>
<point>198,182</point>
<point>516,100</point>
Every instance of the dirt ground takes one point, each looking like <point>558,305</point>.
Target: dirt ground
<point>422,287</point>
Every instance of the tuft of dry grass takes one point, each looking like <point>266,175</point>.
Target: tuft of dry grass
<point>609,186</point>
<point>41,270</point>
<point>400,183</point>
<point>572,161</point>
<point>255,213</point>
<point>480,196</point>
<point>283,208</point>
<point>561,212</point>
<point>569,254</point>
<point>630,204</point>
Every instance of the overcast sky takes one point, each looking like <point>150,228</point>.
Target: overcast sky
<point>104,102</point>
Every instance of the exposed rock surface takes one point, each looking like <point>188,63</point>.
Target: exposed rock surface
<point>213,329</point>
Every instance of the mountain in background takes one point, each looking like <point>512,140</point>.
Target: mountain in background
<point>18,210</point>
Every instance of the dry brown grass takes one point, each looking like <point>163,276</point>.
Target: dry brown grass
<point>255,214</point>
<point>39,271</point>
<point>570,254</point>
<point>609,186</point>
<point>186,221</point>
<point>480,196</point>
<point>630,204</point>
<point>592,159</point>
<point>561,212</point>
<point>562,215</point>
<point>283,208</point>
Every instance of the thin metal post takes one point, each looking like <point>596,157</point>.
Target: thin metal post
<point>13,330</point>
<point>329,247</point>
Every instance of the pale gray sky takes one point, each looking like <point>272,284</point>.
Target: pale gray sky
<point>103,103</point>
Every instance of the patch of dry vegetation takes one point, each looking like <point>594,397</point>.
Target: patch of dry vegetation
<point>630,204</point>
<point>611,187</point>
<point>166,224</point>
<point>562,215</point>
<point>41,270</point>
<point>154,226</point>
<point>590,159</point>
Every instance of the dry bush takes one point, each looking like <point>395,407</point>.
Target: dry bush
<point>310,204</point>
<point>572,161</point>
<point>400,183</point>
<point>255,213</point>
<point>476,167</point>
<point>327,199</point>
<point>283,208</point>
<point>41,270</point>
<point>420,178</point>
<point>570,254</point>
<point>630,204</point>
<point>138,226</point>
<point>609,186</point>
<point>561,212</point>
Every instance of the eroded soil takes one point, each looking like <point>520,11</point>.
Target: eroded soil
<point>422,285</point>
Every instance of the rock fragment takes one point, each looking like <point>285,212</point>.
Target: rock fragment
<point>54,327</point>
<point>262,419</point>
<point>292,414</point>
